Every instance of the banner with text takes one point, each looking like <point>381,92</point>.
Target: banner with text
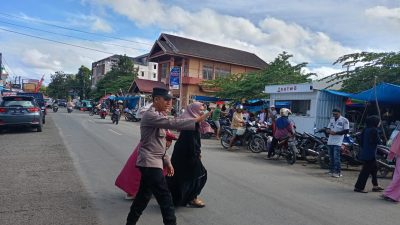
<point>174,77</point>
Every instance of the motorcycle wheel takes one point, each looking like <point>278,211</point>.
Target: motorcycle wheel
<point>382,172</point>
<point>225,139</point>
<point>257,144</point>
<point>323,157</point>
<point>291,156</point>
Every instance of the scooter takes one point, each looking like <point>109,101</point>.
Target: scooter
<point>55,108</point>
<point>103,113</point>
<point>131,116</point>
<point>69,109</point>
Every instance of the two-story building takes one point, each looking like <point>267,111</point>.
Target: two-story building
<point>146,70</point>
<point>198,61</point>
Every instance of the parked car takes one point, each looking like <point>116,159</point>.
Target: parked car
<point>20,111</point>
<point>40,101</point>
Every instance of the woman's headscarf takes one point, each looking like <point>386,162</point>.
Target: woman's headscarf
<point>372,121</point>
<point>192,111</point>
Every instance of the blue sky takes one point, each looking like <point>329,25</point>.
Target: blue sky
<point>314,31</point>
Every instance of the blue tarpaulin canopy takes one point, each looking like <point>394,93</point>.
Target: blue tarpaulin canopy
<point>384,93</point>
<point>208,98</point>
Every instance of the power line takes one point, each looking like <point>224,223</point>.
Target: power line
<point>72,29</point>
<point>66,35</point>
<point>8,65</point>
<point>60,42</point>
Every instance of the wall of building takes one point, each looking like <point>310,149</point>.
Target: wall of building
<point>303,123</point>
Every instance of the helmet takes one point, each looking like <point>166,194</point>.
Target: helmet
<point>239,107</point>
<point>120,101</point>
<point>285,112</point>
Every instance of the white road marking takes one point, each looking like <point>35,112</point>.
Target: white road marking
<point>115,132</point>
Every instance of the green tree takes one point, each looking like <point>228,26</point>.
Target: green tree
<point>363,68</point>
<point>84,81</point>
<point>62,85</point>
<point>251,85</point>
<point>118,79</point>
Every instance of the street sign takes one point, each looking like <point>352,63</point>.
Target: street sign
<point>174,77</point>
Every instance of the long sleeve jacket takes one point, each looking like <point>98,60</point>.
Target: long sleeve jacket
<point>152,153</point>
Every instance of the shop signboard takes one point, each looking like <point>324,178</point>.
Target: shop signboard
<point>174,77</point>
<point>289,88</point>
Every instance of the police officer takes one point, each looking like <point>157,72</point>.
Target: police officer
<point>338,126</point>
<point>152,157</point>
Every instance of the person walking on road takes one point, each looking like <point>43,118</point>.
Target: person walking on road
<point>152,157</point>
<point>190,174</point>
<point>216,115</point>
<point>392,192</point>
<point>369,143</point>
<point>338,126</point>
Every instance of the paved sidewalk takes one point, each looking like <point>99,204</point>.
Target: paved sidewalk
<point>38,181</point>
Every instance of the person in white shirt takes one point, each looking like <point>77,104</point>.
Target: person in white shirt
<point>338,126</point>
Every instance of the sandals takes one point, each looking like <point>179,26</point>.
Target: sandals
<point>197,203</point>
<point>377,189</point>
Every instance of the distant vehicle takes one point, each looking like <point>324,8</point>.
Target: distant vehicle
<point>48,103</point>
<point>39,99</point>
<point>20,111</point>
<point>62,102</point>
<point>86,105</point>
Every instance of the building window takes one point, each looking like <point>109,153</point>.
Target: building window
<point>222,72</point>
<point>142,73</point>
<point>164,70</point>
<point>207,72</point>
<point>154,75</point>
<point>298,107</point>
<point>155,66</point>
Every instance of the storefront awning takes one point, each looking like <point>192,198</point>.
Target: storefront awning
<point>383,93</point>
<point>209,99</point>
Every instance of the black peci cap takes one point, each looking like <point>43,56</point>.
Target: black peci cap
<point>162,92</point>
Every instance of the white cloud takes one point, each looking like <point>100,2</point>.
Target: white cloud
<point>384,12</point>
<point>101,25</point>
<point>37,59</point>
<point>267,38</point>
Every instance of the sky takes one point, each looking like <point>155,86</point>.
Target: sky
<point>41,37</point>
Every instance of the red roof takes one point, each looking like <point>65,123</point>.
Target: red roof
<point>145,86</point>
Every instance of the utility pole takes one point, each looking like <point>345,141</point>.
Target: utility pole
<point>1,65</point>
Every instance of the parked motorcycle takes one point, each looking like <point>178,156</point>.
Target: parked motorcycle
<point>262,139</point>
<point>384,165</point>
<point>348,153</point>
<point>130,115</point>
<point>286,148</point>
<point>309,145</point>
<point>243,136</point>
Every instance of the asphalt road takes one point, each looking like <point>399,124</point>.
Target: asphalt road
<point>242,187</point>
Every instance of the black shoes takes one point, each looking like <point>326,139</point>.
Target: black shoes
<point>360,190</point>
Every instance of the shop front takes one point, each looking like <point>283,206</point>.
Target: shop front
<point>311,108</point>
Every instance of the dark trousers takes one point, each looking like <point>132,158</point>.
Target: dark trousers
<point>369,167</point>
<point>271,150</point>
<point>152,182</point>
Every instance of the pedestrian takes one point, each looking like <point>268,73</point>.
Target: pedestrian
<point>338,126</point>
<point>216,115</point>
<point>190,175</point>
<point>128,179</point>
<point>392,192</point>
<point>262,116</point>
<point>152,157</point>
<point>369,143</point>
